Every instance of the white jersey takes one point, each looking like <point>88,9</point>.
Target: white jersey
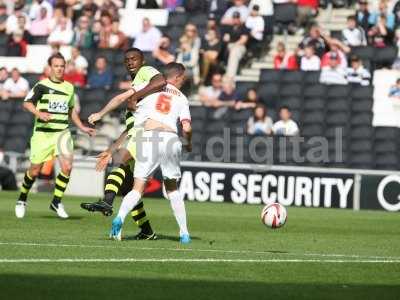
<point>167,107</point>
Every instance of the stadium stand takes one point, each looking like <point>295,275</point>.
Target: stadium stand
<point>318,109</point>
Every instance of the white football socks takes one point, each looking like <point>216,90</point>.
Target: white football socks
<point>130,201</point>
<point>178,207</point>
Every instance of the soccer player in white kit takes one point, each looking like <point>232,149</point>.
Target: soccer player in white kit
<point>160,146</point>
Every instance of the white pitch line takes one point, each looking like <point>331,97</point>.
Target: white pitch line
<point>197,250</point>
<point>189,260</point>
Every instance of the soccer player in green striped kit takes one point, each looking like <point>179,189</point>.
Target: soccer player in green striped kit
<point>51,101</point>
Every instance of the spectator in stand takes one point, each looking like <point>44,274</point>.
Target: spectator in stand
<point>310,61</point>
<point>255,24</point>
<point>339,49</point>
<point>170,5</point>
<point>105,30</point>
<point>226,99</point>
<point>83,36</point>
<point>62,34</point>
<point>111,6</point>
<point>89,11</point>
<point>315,39</point>
<point>194,6</point>
<point>217,8</point>
<point>3,78</point>
<point>189,57</point>
<point>59,16</point>
<point>79,61</point>
<point>73,75</point>
<point>147,4</point>
<point>284,60</point>
<point>35,11</point>
<point>250,102</point>
<point>211,48</point>
<point>307,10</point>
<point>3,17</point>
<point>353,35</point>
<point>240,9</point>
<point>149,38</point>
<point>15,86</point>
<point>394,91</point>
<point>383,11</point>
<point>266,7</point>
<point>101,77</point>
<point>116,39</point>
<point>12,20</point>
<point>23,28</point>
<point>17,46</point>
<point>363,15</point>
<point>163,53</point>
<point>209,95</point>
<point>46,73</point>
<point>191,34</point>
<point>40,26</point>
<point>380,36</point>
<point>259,123</point>
<point>333,73</point>
<point>285,126</point>
<point>357,73</point>
<point>236,38</point>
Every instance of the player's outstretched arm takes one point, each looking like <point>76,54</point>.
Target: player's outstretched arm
<point>156,84</point>
<point>111,105</point>
<point>44,116</point>
<point>104,157</point>
<point>187,135</point>
<point>77,121</point>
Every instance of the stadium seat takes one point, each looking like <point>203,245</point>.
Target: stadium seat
<point>311,77</point>
<point>311,130</point>
<point>385,56</point>
<point>21,118</point>
<point>387,133</point>
<point>387,161</point>
<point>241,115</point>
<point>361,92</point>
<point>197,125</point>
<point>18,131</point>
<point>293,102</point>
<point>215,126</point>
<point>6,105</point>
<point>337,105</point>
<point>362,105</point>
<point>285,13</point>
<point>292,76</point>
<point>89,54</point>
<point>89,108</point>
<point>39,40</point>
<point>337,119</point>
<point>18,144</point>
<point>385,146</point>
<point>362,132</point>
<point>199,19</point>
<point>361,145</point>
<point>291,90</point>
<point>177,19</point>
<point>313,117</point>
<point>93,95</point>
<point>361,160</point>
<point>3,40</point>
<point>270,75</point>
<point>3,129</point>
<point>269,94</point>
<point>332,132</point>
<point>174,32</point>
<point>32,78</point>
<point>364,52</point>
<point>338,91</point>
<point>198,112</point>
<point>314,104</point>
<point>242,87</point>
<point>313,91</point>
<point>119,70</point>
<point>364,118</point>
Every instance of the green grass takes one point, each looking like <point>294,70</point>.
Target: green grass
<point>342,244</point>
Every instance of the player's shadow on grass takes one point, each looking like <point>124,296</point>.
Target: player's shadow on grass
<point>173,238</point>
<point>55,217</point>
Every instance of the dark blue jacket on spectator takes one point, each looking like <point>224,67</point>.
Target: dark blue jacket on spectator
<point>98,80</point>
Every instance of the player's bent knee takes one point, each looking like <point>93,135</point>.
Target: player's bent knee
<point>121,157</point>
<point>170,185</point>
<point>34,171</point>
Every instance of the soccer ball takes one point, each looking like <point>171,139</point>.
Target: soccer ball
<point>274,215</point>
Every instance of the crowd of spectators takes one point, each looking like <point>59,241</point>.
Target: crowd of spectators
<point>235,32</point>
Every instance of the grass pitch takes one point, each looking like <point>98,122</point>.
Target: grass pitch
<point>319,254</point>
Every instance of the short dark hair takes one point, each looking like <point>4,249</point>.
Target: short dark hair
<point>174,69</point>
<point>352,18</point>
<point>284,107</point>
<point>54,56</point>
<point>133,49</point>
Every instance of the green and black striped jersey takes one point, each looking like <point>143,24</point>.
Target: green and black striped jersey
<point>56,98</point>
<point>144,75</point>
